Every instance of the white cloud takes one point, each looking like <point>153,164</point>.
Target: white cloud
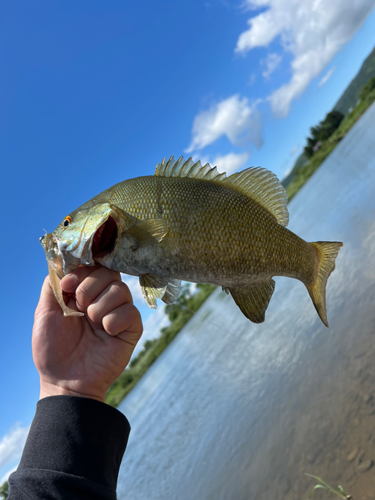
<point>6,476</point>
<point>231,162</point>
<point>313,31</point>
<point>288,164</point>
<point>225,163</point>
<point>294,149</point>
<point>12,444</point>
<point>233,117</point>
<point>134,286</point>
<point>272,62</point>
<point>252,79</point>
<point>326,77</point>
<point>287,172</point>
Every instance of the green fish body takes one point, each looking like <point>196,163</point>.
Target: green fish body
<point>189,222</point>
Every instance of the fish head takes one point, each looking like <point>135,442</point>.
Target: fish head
<point>82,236</point>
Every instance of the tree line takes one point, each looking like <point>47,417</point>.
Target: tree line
<point>331,122</point>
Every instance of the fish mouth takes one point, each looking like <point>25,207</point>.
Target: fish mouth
<point>104,240</point>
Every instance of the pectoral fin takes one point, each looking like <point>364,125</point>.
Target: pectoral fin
<point>147,232</point>
<point>153,287</point>
<point>253,299</point>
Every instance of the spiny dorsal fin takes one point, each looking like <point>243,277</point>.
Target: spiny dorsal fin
<point>264,187</point>
<point>188,168</point>
<point>259,184</point>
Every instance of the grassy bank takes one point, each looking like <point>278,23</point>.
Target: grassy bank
<point>304,172</point>
<point>179,314</point>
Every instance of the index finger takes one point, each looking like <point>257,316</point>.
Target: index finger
<point>71,281</point>
<point>89,286</point>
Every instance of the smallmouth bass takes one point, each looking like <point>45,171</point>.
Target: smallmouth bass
<point>192,223</point>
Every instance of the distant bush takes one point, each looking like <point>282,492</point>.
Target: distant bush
<point>4,490</point>
<point>323,131</point>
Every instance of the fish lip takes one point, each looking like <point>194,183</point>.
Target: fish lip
<point>60,261</point>
<point>50,246</point>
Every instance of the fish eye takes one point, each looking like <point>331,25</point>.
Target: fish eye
<point>67,221</point>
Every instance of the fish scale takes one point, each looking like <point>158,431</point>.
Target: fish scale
<point>189,222</point>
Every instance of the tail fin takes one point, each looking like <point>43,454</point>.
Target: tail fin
<point>327,253</point>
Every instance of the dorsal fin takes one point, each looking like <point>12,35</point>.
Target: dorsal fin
<point>188,168</point>
<point>259,184</point>
<point>264,187</point>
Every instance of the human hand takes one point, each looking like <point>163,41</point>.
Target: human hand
<point>83,356</point>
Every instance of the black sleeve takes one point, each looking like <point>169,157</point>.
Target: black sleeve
<point>73,451</point>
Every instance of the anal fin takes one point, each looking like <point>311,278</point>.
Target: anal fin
<point>253,299</point>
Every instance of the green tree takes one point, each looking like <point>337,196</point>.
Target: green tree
<point>4,490</point>
<point>314,132</point>
<point>330,124</point>
<point>308,149</point>
<point>323,131</point>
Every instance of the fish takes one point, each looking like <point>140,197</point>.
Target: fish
<point>190,222</point>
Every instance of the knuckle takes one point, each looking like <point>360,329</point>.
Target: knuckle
<point>138,321</point>
<point>82,294</point>
<point>135,323</point>
<point>94,313</point>
<point>124,318</point>
<point>110,324</point>
<point>120,290</point>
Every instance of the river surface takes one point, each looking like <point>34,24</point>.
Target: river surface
<point>234,410</point>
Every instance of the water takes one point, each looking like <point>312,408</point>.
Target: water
<point>233,410</point>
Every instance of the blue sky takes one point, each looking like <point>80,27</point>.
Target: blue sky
<point>92,93</point>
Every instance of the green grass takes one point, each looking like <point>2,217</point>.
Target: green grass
<point>307,170</point>
<point>322,485</point>
<point>152,349</point>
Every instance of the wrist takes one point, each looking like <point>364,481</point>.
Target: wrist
<point>48,389</point>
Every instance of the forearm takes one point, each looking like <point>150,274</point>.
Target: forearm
<point>74,450</point>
